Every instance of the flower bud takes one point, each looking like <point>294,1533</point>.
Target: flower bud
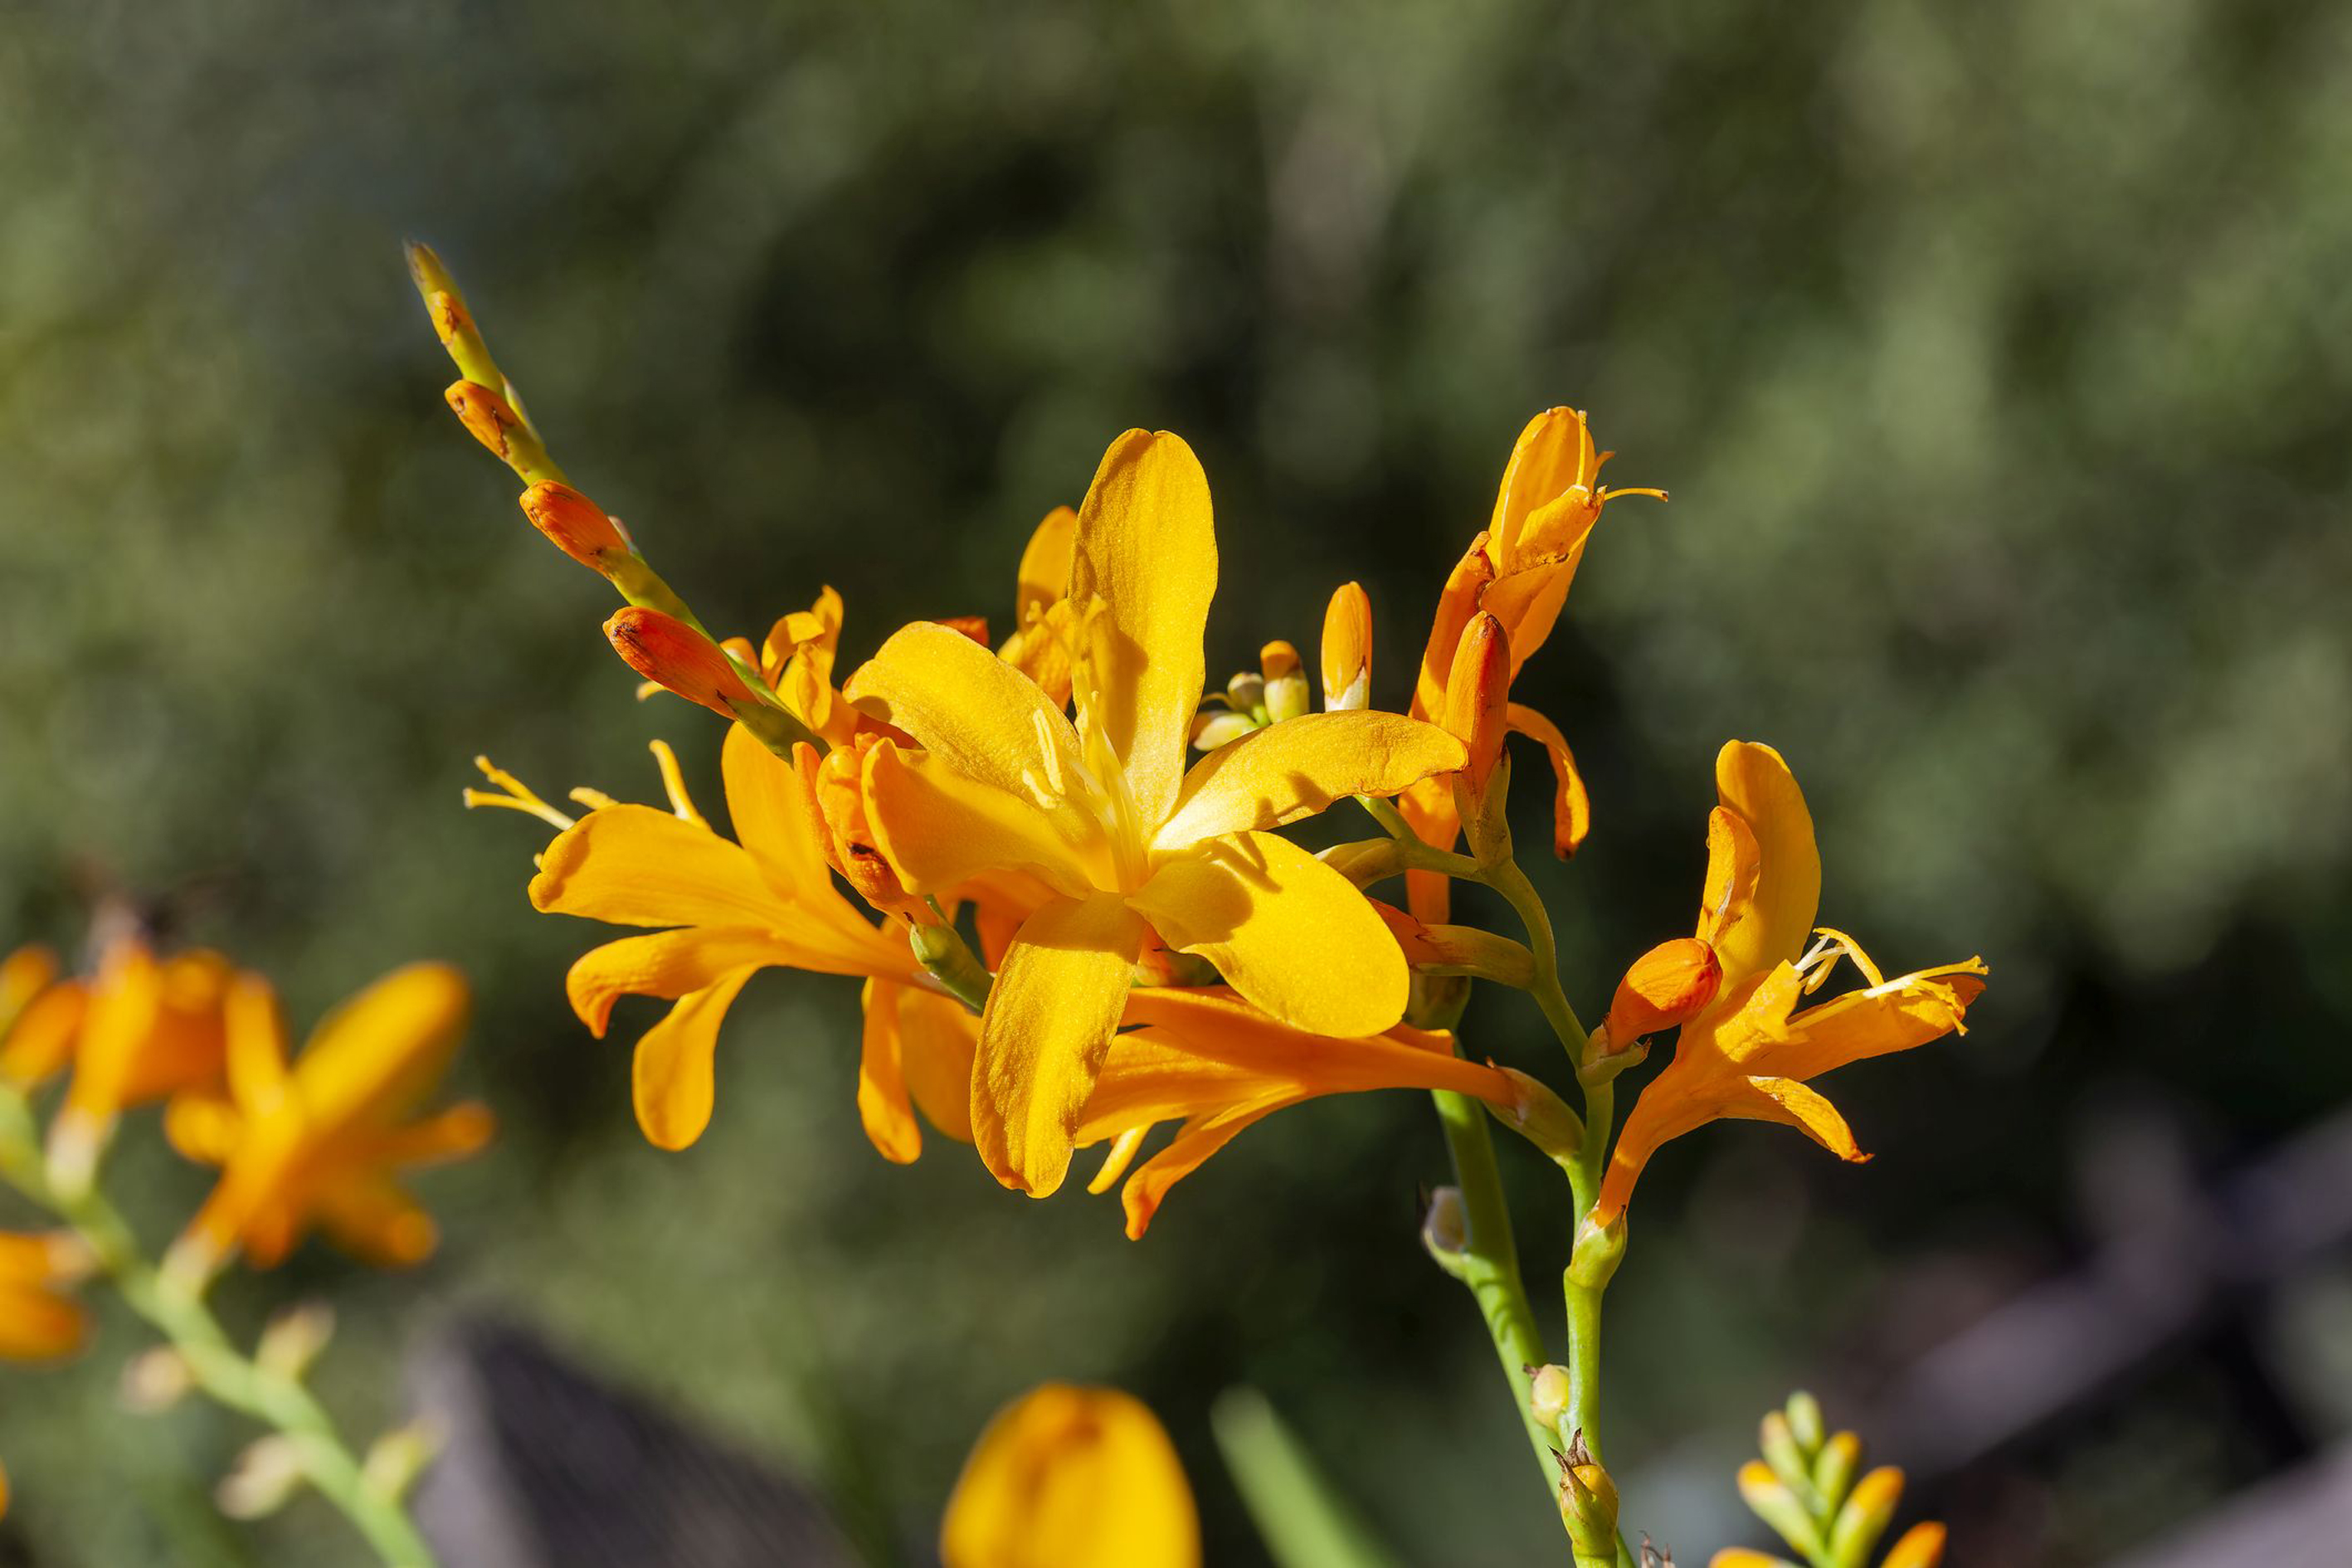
<point>1769,1497</point>
<point>294,1338</point>
<point>668,652</point>
<point>1670,984</point>
<point>1922,1546</point>
<point>1246,692</point>
<point>574,523</point>
<point>1549,1388</point>
<point>1478,697</point>
<point>396,1459</point>
<point>1588,1503</point>
<point>1348,649</point>
<point>266,1475</point>
<point>1212,729</point>
<point>1834,1466</point>
<point>1445,1225</point>
<point>1543,1118</point>
<point>839,782</point>
<point>1286,694</point>
<point>485,414</point>
<point>1865,1516</point>
<point>1805,1413</point>
<point>155,1380</point>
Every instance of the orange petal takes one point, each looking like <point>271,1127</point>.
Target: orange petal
<point>1571,809</point>
<point>672,1079</point>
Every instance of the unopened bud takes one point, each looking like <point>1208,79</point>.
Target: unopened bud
<point>1478,695</point>
<point>1834,1466</point>
<point>1865,1516</point>
<point>1246,692</point>
<point>1805,1424</point>
<point>1922,1546</point>
<point>1588,1503</point>
<point>1348,649</point>
<point>1668,986</point>
<point>1794,1467</point>
<point>668,652</point>
<point>840,786</point>
<point>294,1338</point>
<point>265,1476</point>
<point>1549,1388</point>
<point>155,1380</point>
<point>1593,1257</point>
<point>1287,695</point>
<point>1770,1500</point>
<point>485,414</point>
<point>1213,728</point>
<point>395,1459</point>
<point>1445,1225</point>
<point>574,523</point>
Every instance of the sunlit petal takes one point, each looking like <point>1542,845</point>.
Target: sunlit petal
<point>634,866</point>
<point>1753,780</point>
<point>1299,767</point>
<point>980,716</point>
<point>1066,1477</point>
<point>937,828</point>
<point>672,1077</point>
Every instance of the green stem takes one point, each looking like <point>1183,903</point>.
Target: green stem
<point>1489,1261</point>
<point>275,1399</point>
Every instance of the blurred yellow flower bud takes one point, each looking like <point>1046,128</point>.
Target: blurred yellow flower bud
<point>1348,649</point>
<point>668,651</point>
<point>266,1475</point>
<point>1865,1516</point>
<point>1922,1546</point>
<point>1068,1478</point>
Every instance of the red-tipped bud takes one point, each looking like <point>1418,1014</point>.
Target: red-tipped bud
<point>574,523</point>
<point>668,652</point>
<point>1670,984</point>
<point>1478,696</point>
<point>486,415</point>
<point>973,626</point>
<point>1348,649</point>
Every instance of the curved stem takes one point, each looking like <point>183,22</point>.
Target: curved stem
<point>275,1399</point>
<point>1489,1261</point>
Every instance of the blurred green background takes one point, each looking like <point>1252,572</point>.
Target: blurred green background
<point>1999,360</point>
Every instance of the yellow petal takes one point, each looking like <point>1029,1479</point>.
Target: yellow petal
<point>41,1041</point>
<point>1299,767</point>
<point>1753,780</point>
<point>777,822</point>
<point>202,1128</point>
<point>978,714</point>
<point>463,1130</point>
<point>256,1058</point>
<point>667,964</point>
<point>1741,1557</point>
<point>1922,1546</point>
<point>39,1325</point>
<point>938,1035</point>
<point>370,1218</point>
<point>1146,549</point>
<point>939,828</point>
<point>671,1078</point>
<point>1045,575</point>
<point>1066,1477</point>
<point>1793,1104</point>
<point>1910,1010</point>
<point>882,1106</point>
<point>1553,454</point>
<point>1283,929</point>
<point>1050,1017</point>
<point>1733,860</point>
<point>634,866</point>
<point>380,1052</point>
<point>1571,808</point>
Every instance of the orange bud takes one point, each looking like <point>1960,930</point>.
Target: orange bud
<point>838,783</point>
<point>973,626</point>
<point>1276,659</point>
<point>1670,984</point>
<point>486,414</point>
<point>1922,1546</point>
<point>666,650</point>
<point>576,525</point>
<point>1348,649</point>
<point>450,318</point>
<point>1478,695</point>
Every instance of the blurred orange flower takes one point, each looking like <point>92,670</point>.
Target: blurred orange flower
<point>38,1321</point>
<point>319,1143</point>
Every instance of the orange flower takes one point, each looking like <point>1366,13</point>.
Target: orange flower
<point>1072,1477</point>
<point>1518,571</point>
<point>735,907</point>
<point>319,1143</point>
<point>1748,1051</point>
<point>1208,1059</point>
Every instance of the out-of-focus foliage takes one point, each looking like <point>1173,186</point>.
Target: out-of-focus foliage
<point>1999,360</point>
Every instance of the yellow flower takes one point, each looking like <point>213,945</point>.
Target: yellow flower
<point>319,1143</point>
<point>39,1322</point>
<point>1208,1059</point>
<point>1103,814</point>
<point>1748,1052</point>
<point>1044,621</point>
<point>1072,1477</point>
<point>736,908</point>
<point>1518,571</point>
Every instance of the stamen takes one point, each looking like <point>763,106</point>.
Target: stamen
<point>1828,946</point>
<point>512,795</point>
<point>1049,752</point>
<point>593,799</point>
<point>1122,1154</point>
<point>674,783</point>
